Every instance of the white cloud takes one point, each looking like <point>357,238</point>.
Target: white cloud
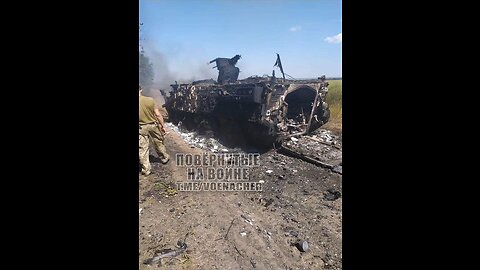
<point>295,28</point>
<point>334,39</point>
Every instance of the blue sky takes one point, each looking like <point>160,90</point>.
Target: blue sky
<point>182,36</point>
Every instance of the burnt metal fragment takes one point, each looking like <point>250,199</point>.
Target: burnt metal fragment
<point>302,246</point>
<point>332,195</point>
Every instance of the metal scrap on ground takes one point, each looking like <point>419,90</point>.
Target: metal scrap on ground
<point>167,253</point>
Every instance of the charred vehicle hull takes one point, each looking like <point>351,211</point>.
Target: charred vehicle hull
<point>263,110</point>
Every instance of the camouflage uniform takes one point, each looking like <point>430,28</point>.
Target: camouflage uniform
<point>149,129</point>
<point>144,133</point>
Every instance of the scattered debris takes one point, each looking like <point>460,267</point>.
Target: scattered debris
<point>167,253</point>
<point>321,148</point>
<point>254,264</point>
<point>338,169</point>
<point>204,142</point>
<point>289,210</point>
<point>235,246</point>
<point>332,143</point>
<point>331,195</point>
<point>294,233</point>
<point>302,246</point>
<point>268,202</point>
<point>247,219</point>
<point>140,210</point>
<point>226,235</point>
<point>291,152</point>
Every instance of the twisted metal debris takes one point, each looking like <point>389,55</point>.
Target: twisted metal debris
<point>264,110</point>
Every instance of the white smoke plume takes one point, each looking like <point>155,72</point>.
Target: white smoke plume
<point>180,68</point>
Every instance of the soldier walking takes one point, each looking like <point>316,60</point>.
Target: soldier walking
<point>151,126</point>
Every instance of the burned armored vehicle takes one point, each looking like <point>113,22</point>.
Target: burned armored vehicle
<point>262,110</point>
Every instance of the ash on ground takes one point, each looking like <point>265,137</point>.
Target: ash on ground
<point>322,146</point>
<point>200,141</point>
<point>206,142</point>
<point>327,136</point>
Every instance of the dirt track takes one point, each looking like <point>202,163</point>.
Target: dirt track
<point>293,206</point>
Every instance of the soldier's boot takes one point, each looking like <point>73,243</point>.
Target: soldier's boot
<point>166,157</point>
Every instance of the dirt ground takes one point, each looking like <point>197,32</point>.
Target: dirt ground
<point>243,230</point>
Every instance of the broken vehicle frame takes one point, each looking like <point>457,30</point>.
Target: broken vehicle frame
<point>267,109</point>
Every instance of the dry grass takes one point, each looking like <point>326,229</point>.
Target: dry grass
<point>334,100</point>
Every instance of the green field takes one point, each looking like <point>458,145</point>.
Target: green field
<point>334,100</point>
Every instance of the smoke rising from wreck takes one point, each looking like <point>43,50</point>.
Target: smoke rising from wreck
<point>181,67</point>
